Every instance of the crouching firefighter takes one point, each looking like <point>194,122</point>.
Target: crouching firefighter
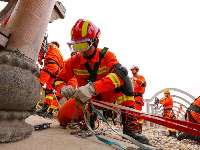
<point>97,71</point>
<point>192,115</point>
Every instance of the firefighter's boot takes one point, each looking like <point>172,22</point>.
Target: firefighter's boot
<point>93,118</point>
<point>170,133</point>
<point>32,111</point>
<point>173,134</point>
<point>184,135</point>
<point>130,128</point>
<point>139,128</point>
<point>43,112</point>
<point>50,113</point>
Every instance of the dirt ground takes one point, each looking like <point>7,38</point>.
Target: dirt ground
<point>56,137</point>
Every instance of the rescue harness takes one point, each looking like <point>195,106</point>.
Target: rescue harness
<point>51,61</point>
<point>93,72</point>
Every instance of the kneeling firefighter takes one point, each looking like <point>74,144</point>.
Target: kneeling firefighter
<point>98,66</point>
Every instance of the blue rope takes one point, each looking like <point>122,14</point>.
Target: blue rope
<point>99,138</point>
<point>47,44</point>
<point>105,140</point>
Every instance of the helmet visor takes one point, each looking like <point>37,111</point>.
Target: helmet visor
<point>79,46</point>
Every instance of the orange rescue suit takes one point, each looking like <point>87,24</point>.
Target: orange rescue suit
<point>139,90</point>
<point>193,112</point>
<point>168,112</point>
<point>52,63</point>
<point>167,102</point>
<point>106,81</point>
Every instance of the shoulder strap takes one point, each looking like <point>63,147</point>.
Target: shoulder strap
<point>93,72</point>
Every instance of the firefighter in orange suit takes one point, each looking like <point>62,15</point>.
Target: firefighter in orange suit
<point>53,61</point>
<point>139,85</point>
<point>167,103</point>
<point>58,97</point>
<point>192,115</point>
<point>98,74</point>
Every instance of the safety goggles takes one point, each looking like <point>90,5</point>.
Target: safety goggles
<point>80,45</point>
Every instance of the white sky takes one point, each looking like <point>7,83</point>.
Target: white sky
<point>161,37</point>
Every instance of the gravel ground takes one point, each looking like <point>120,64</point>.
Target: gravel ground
<point>157,137</point>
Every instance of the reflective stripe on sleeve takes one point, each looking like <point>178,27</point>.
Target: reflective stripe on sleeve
<point>114,79</point>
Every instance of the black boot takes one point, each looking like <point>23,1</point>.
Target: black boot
<point>50,113</point>
<point>43,111</point>
<point>137,136</point>
<point>184,135</point>
<point>32,111</point>
<point>170,133</point>
<point>93,118</point>
<point>173,134</point>
<point>130,128</point>
<point>140,128</point>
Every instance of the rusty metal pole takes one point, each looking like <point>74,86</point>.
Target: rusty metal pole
<point>19,86</point>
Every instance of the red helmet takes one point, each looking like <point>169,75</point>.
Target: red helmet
<point>83,34</point>
<point>56,43</point>
<point>134,67</point>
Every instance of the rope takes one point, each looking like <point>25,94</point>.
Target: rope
<point>141,146</point>
<point>76,109</point>
<point>191,128</point>
<point>47,44</point>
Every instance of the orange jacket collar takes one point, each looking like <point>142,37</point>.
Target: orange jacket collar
<point>94,59</point>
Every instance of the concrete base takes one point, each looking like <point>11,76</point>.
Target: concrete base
<point>19,92</point>
<point>13,126</point>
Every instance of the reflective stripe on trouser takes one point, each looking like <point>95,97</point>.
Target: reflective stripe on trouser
<point>169,114</point>
<point>48,99</point>
<point>41,91</point>
<point>54,104</point>
<point>171,130</point>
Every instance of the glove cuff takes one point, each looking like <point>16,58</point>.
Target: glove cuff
<point>92,88</point>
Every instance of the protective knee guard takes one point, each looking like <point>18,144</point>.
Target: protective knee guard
<point>127,87</point>
<point>122,72</point>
